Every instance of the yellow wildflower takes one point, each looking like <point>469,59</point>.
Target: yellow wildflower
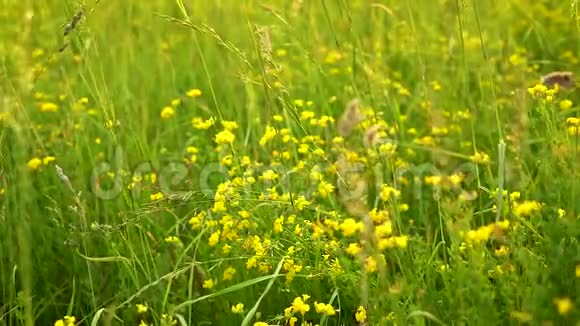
<point>299,304</point>
<point>388,192</point>
<point>433,180</point>
<point>193,92</point>
<point>538,90</point>
<point>34,163</point>
<point>563,305</point>
<point>201,124</point>
<point>230,125</point>
<point>227,160</point>
<point>435,85</point>
<point>323,308</point>
<point>370,265</point>
<point>48,159</point>
<point>517,59</point>
<point>208,284</point>
<point>37,53</point>
<point>278,224</point>
<point>176,102</point>
<point>561,213</point>
<point>527,208</point>
<point>156,196</point>
<point>573,121</point>
<point>269,175</point>
<point>503,224</point>
<point>455,179</point>
<point>361,314</point>
<point>172,239</point>
<point>252,262</point>
<point>229,274</point>
<point>48,107</point>
<point>299,102</point>
<point>307,115</point>
<point>401,241</point>
<point>379,216</point>
<point>565,104</point>
<point>214,238</point>
<point>168,320</point>
<point>301,202</point>
<point>349,227</point>
<point>219,206</point>
<point>224,137</point>
<point>480,158</point>
<point>387,149</point>
<point>238,308</point>
<point>481,234</point>
<point>66,321</point>
<point>353,249</point>
<point>269,134</point>
<point>384,230</point>
<point>502,251</point>
<point>325,188</point>
<point>141,308</point>
<point>196,221</point>
<point>167,113</point>
<point>192,150</point>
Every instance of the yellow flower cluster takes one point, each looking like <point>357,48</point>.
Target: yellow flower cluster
<point>238,308</point>
<point>480,158</point>
<point>66,321</point>
<point>450,181</point>
<point>388,192</point>
<point>35,163</point>
<point>291,269</point>
<point>573,126</point>
<point>167,113</point>
<point>526,208</point>
<point>193,92</point>
<point>543,92</point>
<point>324,308</point>
<point>201,124</point>
<point>224,137</point>
<point>483,233</point>
<point>361,314</point>
<point>563,305</point>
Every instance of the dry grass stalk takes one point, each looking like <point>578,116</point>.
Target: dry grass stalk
<point>350,118</point>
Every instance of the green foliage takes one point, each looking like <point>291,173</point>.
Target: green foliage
<point>187,163</point>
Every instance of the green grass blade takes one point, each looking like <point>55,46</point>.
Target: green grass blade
<point>252,311</point>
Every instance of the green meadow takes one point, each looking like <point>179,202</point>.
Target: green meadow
<point>289,162</point>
